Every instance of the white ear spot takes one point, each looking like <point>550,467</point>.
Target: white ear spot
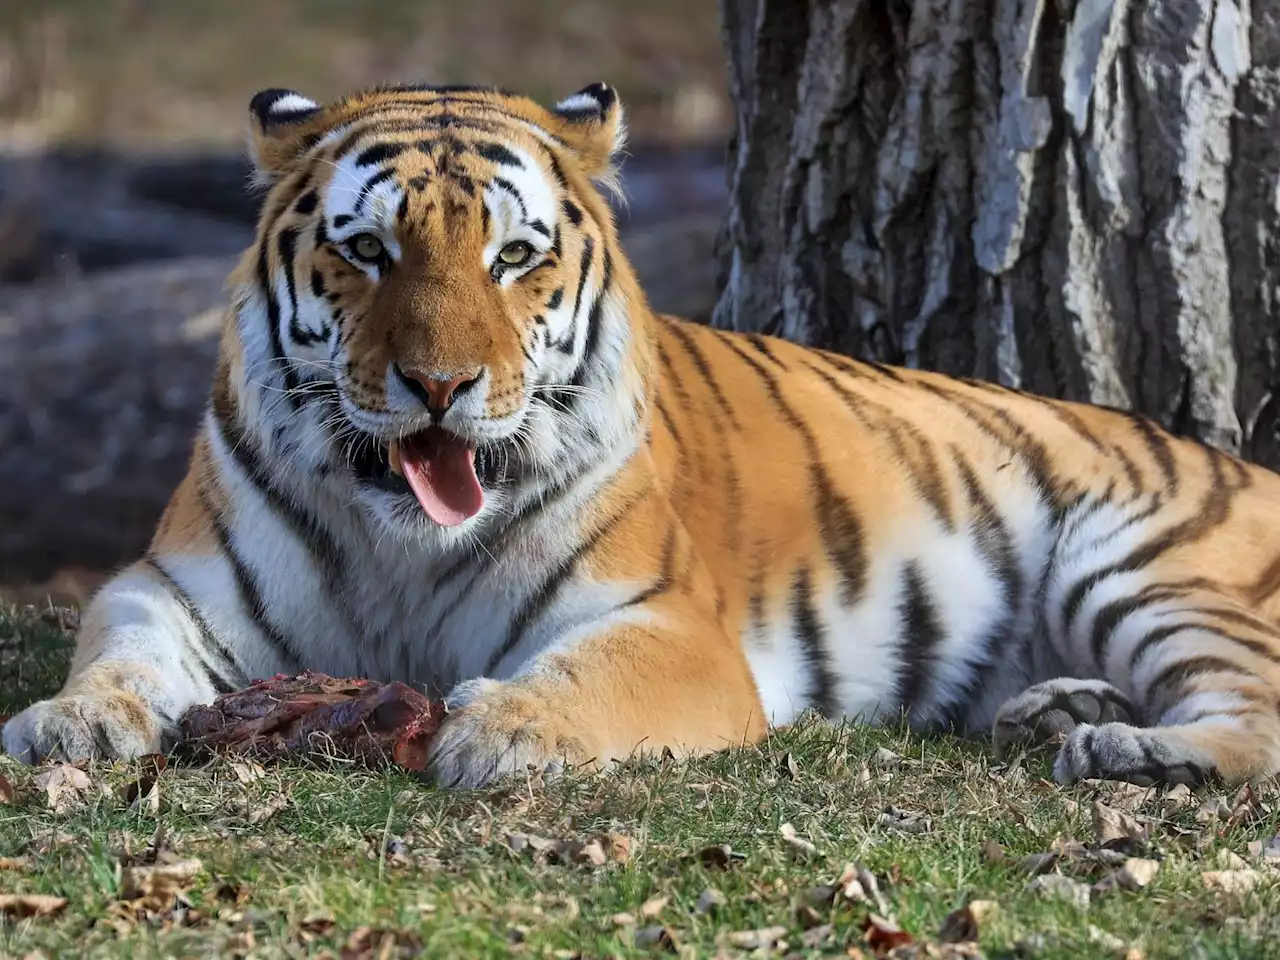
<point>578,103</point>
<point>289,104</point>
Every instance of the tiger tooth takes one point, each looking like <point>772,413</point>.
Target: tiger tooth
<point>393,451</point>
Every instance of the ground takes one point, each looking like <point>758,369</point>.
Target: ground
<point>772,848</point>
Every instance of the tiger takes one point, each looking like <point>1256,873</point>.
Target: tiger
<point>448,442</point>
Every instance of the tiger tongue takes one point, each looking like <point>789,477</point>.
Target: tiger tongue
<point>441,470</point>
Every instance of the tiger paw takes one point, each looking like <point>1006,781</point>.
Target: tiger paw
<point>1048,712</point>
<point>98,726</point>
<point>494,729</point>
<point>1119,751</point>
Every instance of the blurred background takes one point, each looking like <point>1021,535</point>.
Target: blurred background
<point>123,206</point>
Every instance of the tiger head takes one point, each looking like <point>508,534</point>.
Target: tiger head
<point>436,276</point>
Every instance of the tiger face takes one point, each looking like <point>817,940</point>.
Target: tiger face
<point>434,264</point>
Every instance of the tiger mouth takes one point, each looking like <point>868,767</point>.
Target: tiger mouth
<point>377,463</point>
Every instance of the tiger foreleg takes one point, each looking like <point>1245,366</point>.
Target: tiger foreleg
<point>135,671</point>
<point>628,689</point>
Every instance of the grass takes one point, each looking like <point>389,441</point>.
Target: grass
<point>317,859</point>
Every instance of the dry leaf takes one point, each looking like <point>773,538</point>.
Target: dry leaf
<point>906,821</point>
<point>1134,875</point>
<point>1116,829</point>
<point>156,887</point>
<point>1035,864</point>
<point>1105,941</point>
<point>961,926</point>
<point>885,759</point>
<point>1231,881</point>
<point>764,938</point>
<point>883,935</point>
<point>864,775</point>
<point>653,906</point>
<point>1061,888</point>
<point>710,900</point>
<point>368,943</point>
<point>719,857</point>
<point>14,863</point>
<point>264,812</point>
<point>623,919</point>
<point>63,785</point>
<point>799,845</point>
<point>1215,808</point>
<point>22,905</point>
<point>815,937</point>
<point>788,766</point>
<point>1179,795</point>
<point>992,852</point>
<point>655,936</point>
<point>6,791</point>
<point>1265,849</point>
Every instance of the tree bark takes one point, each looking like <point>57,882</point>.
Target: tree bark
<point>1080,198</point>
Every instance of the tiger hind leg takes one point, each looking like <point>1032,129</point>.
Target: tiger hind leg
<point>1203,695</point>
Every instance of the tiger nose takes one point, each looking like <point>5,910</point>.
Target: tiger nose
<point>437,391</point>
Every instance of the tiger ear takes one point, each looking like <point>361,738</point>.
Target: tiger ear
<point>591,123</point>
<point>282,124</point>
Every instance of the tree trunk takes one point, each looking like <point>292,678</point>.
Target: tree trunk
<point>1080,198</point>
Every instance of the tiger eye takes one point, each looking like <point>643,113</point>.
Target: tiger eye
<point>365,246</point>
<point>516,253</point>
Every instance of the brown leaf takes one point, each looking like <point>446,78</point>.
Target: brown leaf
<point>1115,829</point>
<point>992,852</point>
<point>156,887</point>
<point>1215,808</point>
<point>798,845</point>
<point>653,906</point>
<point>1231,881</point>
<point>885,759</point>
<point>1035,864</point>
<point>14,863</point>
<point>764,938</point>
<point>657,936</point>
<point>905,821</point>
<point>370,943</point>
<point>883,935</point>
<point>23,905</point>
<point>719,857</point>
<point>1247,806</point>
<point>788,767</point>
<point>63,785</point>
<point>314,926</point>
<point>623,919</point>
<point>6,791</point>
<point>961,926</point>
<point>1058,887</point>
<point>264,812</point>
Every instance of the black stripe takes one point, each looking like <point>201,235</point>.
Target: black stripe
<point>540,227</point>
<point>595,320</point>
<point>341,220</point>
<point>1180,673</point>
<point>497,153</point>
<point>379,153</point>
<point>670,425</point>
<point>287,243</point>
<point>838,524</point>
<point>813,638</point>
<point>922,634</point>
<point>584,271</point>
<point>380,177</point>
<point>306,203</point>
<point>704,368</point>
<point>1157,442</point>
<point>230,678</point>
<point>572,211</point>
<point>557,298</point>
<point>923,466</point>
<point>666,572</point>
<point>542,598</point>
<point>761,344</point>
<point>280,362</point>
<point>1214,510</point>
<point>247,587</point>
<point>506,185</point>
<point>1267,584</point>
